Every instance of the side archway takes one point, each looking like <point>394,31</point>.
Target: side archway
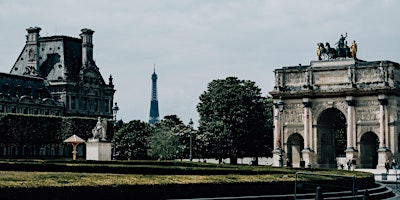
<point>295,145</point>
<point>369,144</point>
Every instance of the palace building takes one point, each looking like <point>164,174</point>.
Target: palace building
<point>57,75</point>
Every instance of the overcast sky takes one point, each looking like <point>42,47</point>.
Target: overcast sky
<point>192,42</point>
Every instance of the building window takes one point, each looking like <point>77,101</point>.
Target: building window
<point>85,103</point>
<point>106,105</point>
<point>73,100</point>
<point>67,102</point>
<point>96,103</point>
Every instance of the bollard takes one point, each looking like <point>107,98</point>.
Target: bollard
<point>318,194</point>
<point>365,195</point>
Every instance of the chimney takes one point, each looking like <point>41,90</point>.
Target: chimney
<point>87,47</point>
<point>32,46</point>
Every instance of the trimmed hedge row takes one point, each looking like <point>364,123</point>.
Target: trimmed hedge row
<point>36,130</point>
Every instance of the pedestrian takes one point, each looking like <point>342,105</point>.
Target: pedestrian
<point>387,166</point>
<point>348,164</point>
<point>394,165</point>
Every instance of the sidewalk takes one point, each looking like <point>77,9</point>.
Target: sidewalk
<point>381,175</point>
<point>391,180</point>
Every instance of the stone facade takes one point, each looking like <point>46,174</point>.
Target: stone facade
<point>337,108</point>
<point>67,66</point>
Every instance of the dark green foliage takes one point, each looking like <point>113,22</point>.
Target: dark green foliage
<point>235,120</point>
<point>168,138</point>
<point>36,130</point>
<point>131,140</point>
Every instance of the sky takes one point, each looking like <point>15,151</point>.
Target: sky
<point>190,43</point>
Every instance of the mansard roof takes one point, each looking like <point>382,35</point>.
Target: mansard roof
<point>59,59</point>
<point>70,55</point>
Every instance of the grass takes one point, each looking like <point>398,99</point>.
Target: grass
<point>67,179</point>
<point>199,173</point>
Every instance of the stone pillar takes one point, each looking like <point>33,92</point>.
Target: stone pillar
<point>307,152</point>
<point>277,158</point>
<point>350,110</point>
<point>277,128</point>
<point>351,152</point>
<point>383,151</point>
<point>382,121</point>
<point>306,121</point>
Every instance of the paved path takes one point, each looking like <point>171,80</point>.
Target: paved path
<point>391,180</point>
<point>381,175</point>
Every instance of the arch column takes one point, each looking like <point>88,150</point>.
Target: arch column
<point>383,151</point>
<point>277,128</point>
<point>351,152</point>
<point>307,152</point>
<point>277,153</point>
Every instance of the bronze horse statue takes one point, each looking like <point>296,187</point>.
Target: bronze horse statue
<point>326,52</point>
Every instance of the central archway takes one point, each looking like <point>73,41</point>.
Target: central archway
<point>331,137</point>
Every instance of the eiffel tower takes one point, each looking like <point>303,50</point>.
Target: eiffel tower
<point>154,114</point>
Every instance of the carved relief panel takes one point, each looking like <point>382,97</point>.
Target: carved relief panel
<point>294,79</point>
<point>330,77</point>
<point>293,113</point>
<point>368,75</point>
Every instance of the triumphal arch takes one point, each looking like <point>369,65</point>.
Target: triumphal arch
<point>336,109</point>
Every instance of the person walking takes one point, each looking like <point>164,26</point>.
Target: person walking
<point>387,166</point>
<point>394,166</point>
<point>348,165</point>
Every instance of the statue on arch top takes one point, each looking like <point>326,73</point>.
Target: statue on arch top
<point>341,41</point>
<point>342,50</point>
<point>353,49</point>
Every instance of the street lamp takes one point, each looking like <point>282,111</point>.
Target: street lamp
<point>114,122</point>
<point>190,141</point>
<point>281,105</point>
<point>115,110</point>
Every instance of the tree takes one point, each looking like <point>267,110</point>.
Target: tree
<point>234,119</point>
<point>166,140</point>
<point>130,141</point>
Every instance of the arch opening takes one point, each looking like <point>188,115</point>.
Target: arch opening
<point>294,147</point>
<point>369,145</point>
<point>331,137</point>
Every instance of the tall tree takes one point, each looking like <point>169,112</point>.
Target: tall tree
<point>130,141</point>
<point>166,140</point>
<point>233,119</point>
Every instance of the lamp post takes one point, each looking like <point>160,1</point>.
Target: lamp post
<point>281,105</point>
<point>114,122</point>
<point>190,141</point>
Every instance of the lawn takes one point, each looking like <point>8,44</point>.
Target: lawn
<point>60,173</point>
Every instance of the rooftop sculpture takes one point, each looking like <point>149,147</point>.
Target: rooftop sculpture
<point>342,50</point>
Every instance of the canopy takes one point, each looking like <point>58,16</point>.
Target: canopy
<point>74,139</point>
